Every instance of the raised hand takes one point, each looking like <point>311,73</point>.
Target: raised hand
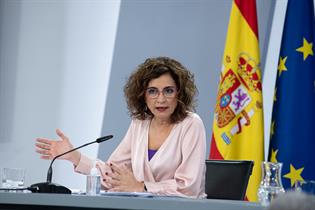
<point>49,148</point>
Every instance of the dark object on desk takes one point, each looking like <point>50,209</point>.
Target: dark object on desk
<point>43,187</point>
<point>227,179</point>
<point>48,187</point>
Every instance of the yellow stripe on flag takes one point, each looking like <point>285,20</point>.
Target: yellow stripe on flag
<point>238,123</point>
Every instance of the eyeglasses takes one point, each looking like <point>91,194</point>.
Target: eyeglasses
<point>168,92</point>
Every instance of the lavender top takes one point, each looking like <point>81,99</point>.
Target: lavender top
<point>151,153</point>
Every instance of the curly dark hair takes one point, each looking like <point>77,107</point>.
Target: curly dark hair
<point>153,68</point>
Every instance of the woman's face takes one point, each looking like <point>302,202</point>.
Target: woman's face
<point>161,97</point>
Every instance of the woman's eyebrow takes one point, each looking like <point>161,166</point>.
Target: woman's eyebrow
<point>170,86</point>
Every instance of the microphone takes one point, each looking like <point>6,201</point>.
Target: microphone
<point>48,186</point>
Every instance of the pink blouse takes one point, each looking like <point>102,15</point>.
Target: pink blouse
<point>177,168</point>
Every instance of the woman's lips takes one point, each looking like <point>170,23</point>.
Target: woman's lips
<point>161,109</point>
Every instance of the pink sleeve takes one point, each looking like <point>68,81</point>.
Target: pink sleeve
<point>189,178</point>
<point>120,155</point>
<point>84,166</point>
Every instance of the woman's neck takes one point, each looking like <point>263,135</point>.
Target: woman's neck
<point>161,122</point>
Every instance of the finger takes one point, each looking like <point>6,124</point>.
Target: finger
<point>122,167</point>
<point>102,169</point>
<point>112,175</point>
<point>61,134</point>
<point>125,169</point>
<point>44,141</point>
<point>46,157</point>
<point>106,177</point>
<point>43,152</point>
<point>105,171</point>
<point>112,182</point>
<point>42,146</point>
<point>115,168</point>
<point>116,177</point>
<point>108,166</point>
<point>105,184</point>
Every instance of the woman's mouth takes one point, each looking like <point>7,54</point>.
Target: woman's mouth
<point>161,109</point>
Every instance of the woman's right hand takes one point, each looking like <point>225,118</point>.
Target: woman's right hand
<point>49,148</point>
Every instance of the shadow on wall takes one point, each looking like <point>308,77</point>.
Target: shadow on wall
<point>9,44</point>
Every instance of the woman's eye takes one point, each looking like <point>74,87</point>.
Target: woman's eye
<point>152,91</point>
<point>169,90</point>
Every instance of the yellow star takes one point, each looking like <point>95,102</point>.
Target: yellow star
<point>275,95</point>
<point>272,129</point>
<point>294,175</point>
<point>281,66</point>
<point>306,49</point>
<point>273,157</point>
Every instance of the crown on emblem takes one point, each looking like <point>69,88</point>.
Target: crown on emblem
<point>247,70</point>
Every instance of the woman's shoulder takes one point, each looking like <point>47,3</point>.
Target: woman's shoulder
<point>192,118</point>
<point>192,129</point>
<point>139,123</point>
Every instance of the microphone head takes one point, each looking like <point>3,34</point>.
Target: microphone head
<point>104,138</point>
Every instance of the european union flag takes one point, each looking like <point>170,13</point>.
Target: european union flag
<point>293,119</point>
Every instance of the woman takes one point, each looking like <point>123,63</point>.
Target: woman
<point>163,151</point>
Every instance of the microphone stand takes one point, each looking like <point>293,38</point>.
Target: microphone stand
<point>48,186</point>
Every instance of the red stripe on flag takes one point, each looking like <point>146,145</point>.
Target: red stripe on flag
<point>214,152</point>
<point>248,10</point>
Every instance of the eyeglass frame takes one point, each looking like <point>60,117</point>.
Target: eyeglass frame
<point>163,91</point>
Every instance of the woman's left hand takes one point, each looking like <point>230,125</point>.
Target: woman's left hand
<point>123,180</point>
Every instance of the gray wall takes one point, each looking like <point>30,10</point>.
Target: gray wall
<point>191,31</point>
<point>55,61</point>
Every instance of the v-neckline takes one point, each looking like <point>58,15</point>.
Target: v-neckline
<point>162,145</point>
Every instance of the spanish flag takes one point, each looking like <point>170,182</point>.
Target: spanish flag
<point>238,119</point>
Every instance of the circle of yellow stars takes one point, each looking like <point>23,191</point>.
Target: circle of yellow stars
<point>306,49</point>
<point>295,174</point>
